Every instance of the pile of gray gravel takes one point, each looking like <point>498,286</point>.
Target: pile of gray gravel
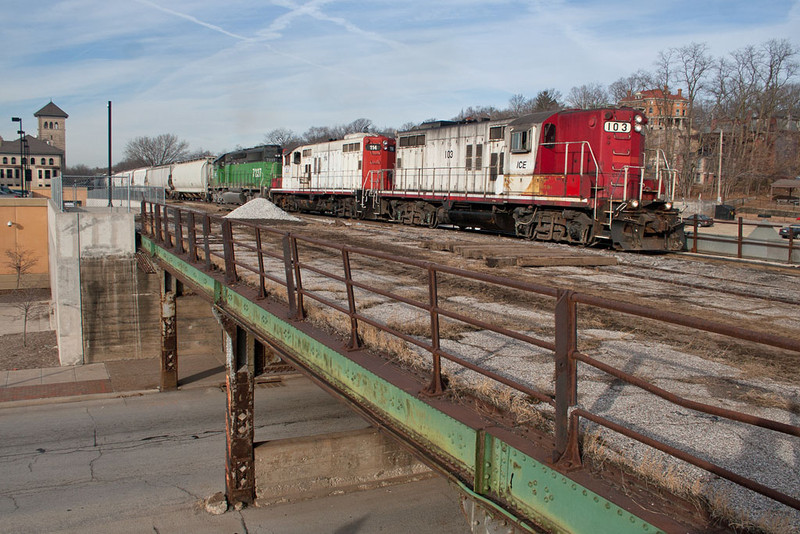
<point>261,209</point>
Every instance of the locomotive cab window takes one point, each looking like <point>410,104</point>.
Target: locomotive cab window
<point>549,136</point>
<point>297,158</point>
<point>496,133</point>
<point>520,142</point>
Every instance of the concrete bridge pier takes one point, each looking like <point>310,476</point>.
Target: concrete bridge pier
<point>171,288</point>
<point>240,356</point>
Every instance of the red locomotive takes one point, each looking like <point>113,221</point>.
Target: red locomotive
<point>575,176</point>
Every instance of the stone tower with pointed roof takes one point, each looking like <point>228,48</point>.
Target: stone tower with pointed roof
<point>53,126</point>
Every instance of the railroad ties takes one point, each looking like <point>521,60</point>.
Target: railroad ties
<point>520,254</point>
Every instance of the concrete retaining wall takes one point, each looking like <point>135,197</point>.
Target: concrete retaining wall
<point>74,238</point>
<point>120,307</point>
<point>106,308</point>
<point>316,466</point>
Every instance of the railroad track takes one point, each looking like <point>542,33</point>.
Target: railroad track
<point>704,368</point>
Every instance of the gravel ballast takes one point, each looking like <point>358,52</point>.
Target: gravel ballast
<point>261,209</point>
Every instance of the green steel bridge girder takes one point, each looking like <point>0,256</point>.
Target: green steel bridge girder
<point>513,483</point>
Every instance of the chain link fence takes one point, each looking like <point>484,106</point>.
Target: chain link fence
<point>73,192</point>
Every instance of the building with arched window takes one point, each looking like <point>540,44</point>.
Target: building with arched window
<point>43,157</point>
<point>52,126</point>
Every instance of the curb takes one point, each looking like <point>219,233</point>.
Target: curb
<point>76,398</point>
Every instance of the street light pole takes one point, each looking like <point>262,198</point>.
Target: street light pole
<point>21,154</point>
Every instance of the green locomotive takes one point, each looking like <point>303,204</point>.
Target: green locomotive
<point>247,173</point>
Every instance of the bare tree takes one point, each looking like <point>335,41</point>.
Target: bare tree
<point>82,170</point>
<point>316,134</point>
<point>160,150</point>
<point>690,66</point>
<point>623,87</point>
<point>519,104</point>
<point>587,96</point>
<point>664,73</point>
<point>359,126</point>
<point>752,90</point>
<point>479,112</point>
<point>21,260</point>
<point>693,66</point>
<point>26,300</point>
<point>280,137</point>
<point>200,153</point>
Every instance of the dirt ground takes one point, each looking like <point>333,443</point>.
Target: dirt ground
<point>40,350</point>
<point>37,349</point>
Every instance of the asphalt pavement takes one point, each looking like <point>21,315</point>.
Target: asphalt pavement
<point>121,461</point>
<point>107,378</point>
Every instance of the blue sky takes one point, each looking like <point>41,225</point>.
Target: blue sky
<point>222,74</point>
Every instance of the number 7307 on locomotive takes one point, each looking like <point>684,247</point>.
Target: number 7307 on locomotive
<point>575,176</point>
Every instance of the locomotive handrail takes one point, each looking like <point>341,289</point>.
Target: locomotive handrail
<point>562,394</point>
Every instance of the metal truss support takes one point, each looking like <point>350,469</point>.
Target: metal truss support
<point>171,288</point>
<point>240,356</point>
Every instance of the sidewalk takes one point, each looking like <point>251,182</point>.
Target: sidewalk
<point>118,376</point>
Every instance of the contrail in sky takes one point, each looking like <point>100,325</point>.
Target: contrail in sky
<point>194,20</point>
<point>312,9</point>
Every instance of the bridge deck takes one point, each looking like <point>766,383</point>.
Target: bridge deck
<point>531,473</point>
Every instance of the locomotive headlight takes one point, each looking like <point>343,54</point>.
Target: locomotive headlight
<point>634,204</point>
<point>638,119</point>
<point>668,206</point>
<point>638,128</point>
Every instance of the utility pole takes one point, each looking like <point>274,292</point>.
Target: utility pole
<point>109,154</point>
<point>719,171</point>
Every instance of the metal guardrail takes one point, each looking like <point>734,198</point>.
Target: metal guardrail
<point>177,229</point>
<point>69,192</point>
<point>735,245</point>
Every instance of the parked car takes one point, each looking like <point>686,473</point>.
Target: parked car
<point>702,220</point>
<point>792,229</point>
<point>6,191</point>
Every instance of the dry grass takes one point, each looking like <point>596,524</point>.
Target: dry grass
<point>662,472</point>
<point>521,407</point>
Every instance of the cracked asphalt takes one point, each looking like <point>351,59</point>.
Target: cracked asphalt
<point>146,463</point>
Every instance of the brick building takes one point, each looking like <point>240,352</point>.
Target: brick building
<point>662,108</point>
<point>42,158</point>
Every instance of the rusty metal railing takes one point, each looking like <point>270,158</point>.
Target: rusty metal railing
<point>176,229</point>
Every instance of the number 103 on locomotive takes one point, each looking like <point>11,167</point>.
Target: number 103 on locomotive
<point>617,127</point>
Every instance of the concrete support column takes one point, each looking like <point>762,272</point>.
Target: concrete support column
<point>170,290</point>
<point>240,355</point>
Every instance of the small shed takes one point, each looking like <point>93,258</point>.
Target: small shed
<point>786,191</point>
